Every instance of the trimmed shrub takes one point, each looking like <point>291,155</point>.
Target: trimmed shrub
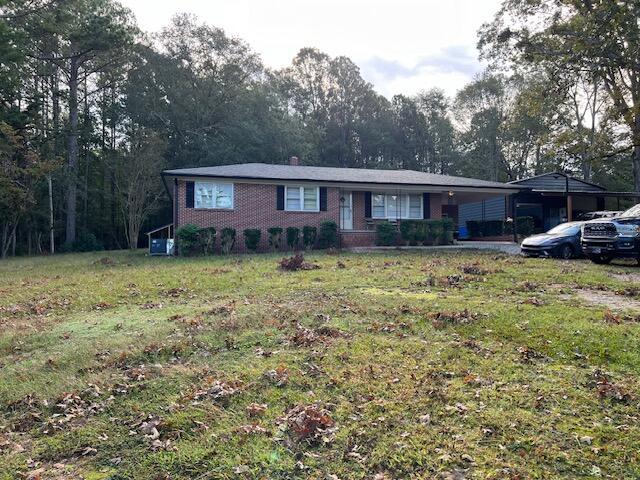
<point>448,227</point>
<point>422,233</point>
<point>436,232</point>
<point>293,237</point>
<point>227,239</point>
<point>188,240</point>
<point>525,226</point>
<point>328,235</point>
<point>309,234</point>
<point>207,238</point>
<point>386,233</point>
<point>427,232</point>
<point>275,238</point>
<point>492,228</point>
<point>496,228</point>
<point>409,230</point>
<point>474,228</point>
<point>252,238</point>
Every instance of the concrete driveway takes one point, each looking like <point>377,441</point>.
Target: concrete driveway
<point>511,248</point>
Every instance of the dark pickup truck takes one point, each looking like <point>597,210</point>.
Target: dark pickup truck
<point>618,237</point>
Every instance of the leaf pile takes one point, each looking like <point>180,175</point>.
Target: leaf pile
<point>474,269</point>
<point>617,319</point>
<point>455,281</point>
<point>606,388</point>
<point>41,306</point>
<point>256,409</point>
<point>278,376</point>
<point>306,337</point>
<point>295,263</point>
<point>219,392</point>
<point>72,406</point>
<point>105,261</point>
<point>429,281</point>
<point>528,355</point>
<point>310,423</point>
<point>443,319</point>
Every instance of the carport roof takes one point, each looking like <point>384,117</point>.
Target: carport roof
<point>557,182</point>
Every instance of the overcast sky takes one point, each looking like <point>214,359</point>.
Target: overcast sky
<point>401,46</point>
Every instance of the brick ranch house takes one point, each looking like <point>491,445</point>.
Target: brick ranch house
<point>259,195</point>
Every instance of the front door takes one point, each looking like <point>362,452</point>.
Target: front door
<point>346,211</point>
<point>450,211</point>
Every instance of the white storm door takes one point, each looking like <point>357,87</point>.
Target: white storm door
<point>346,211</point>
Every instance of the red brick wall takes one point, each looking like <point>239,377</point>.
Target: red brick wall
<point>357,239</point>
<point>435,205</point>
<point>254,207</point>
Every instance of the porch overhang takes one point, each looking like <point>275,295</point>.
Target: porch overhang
<point>604,193</point>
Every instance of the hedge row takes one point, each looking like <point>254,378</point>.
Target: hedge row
<point>415,232</point>
<point>193,240</point>
<point>496,228</point>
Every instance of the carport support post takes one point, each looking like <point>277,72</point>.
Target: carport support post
<point>569,208</point>
<point>514,216</point>
<point>568,197</point>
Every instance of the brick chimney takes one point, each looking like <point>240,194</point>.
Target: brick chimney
<point>294,161</point>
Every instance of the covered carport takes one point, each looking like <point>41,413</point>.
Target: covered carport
<point>482,207</point>
<point>557,197</point>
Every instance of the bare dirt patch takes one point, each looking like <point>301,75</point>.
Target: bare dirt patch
<point>607,299</point>
<point>627,277</point>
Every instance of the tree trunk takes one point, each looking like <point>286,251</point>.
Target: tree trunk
<point>72,162</point>
<point>55,97</point>
<point>586,168</point>
<point>52,241</point>
<point>636,167</point>
<point>85,156</point>
<point>4,241</point>
<point>636,154</point>
<point>134,231</point>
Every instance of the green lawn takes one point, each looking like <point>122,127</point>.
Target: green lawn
<point>388,366</point>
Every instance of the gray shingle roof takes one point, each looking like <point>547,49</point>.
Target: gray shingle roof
<point>265,171</point>
<point>556,182</point>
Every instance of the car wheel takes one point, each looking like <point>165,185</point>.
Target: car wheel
<point>566,251</point>
<point>601,259</point>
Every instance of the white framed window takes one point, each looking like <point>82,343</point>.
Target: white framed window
<point>393,206</point>
<point>415,206</point>
<point>378,206</point>
<point>302,199</point>
<point>213,195</point>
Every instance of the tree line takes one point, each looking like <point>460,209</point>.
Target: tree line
<point>92,109</point>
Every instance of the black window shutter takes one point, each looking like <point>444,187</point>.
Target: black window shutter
<point>367,204</point>
<point>426,206</point>
<point>175,204</point>
<point>190,194</point>
<point>323,199</point>
<point>280,197</point>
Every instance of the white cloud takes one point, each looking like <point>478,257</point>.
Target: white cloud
<point>402,46</point>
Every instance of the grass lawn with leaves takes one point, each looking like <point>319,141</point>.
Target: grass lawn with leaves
<point>391,365</point>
